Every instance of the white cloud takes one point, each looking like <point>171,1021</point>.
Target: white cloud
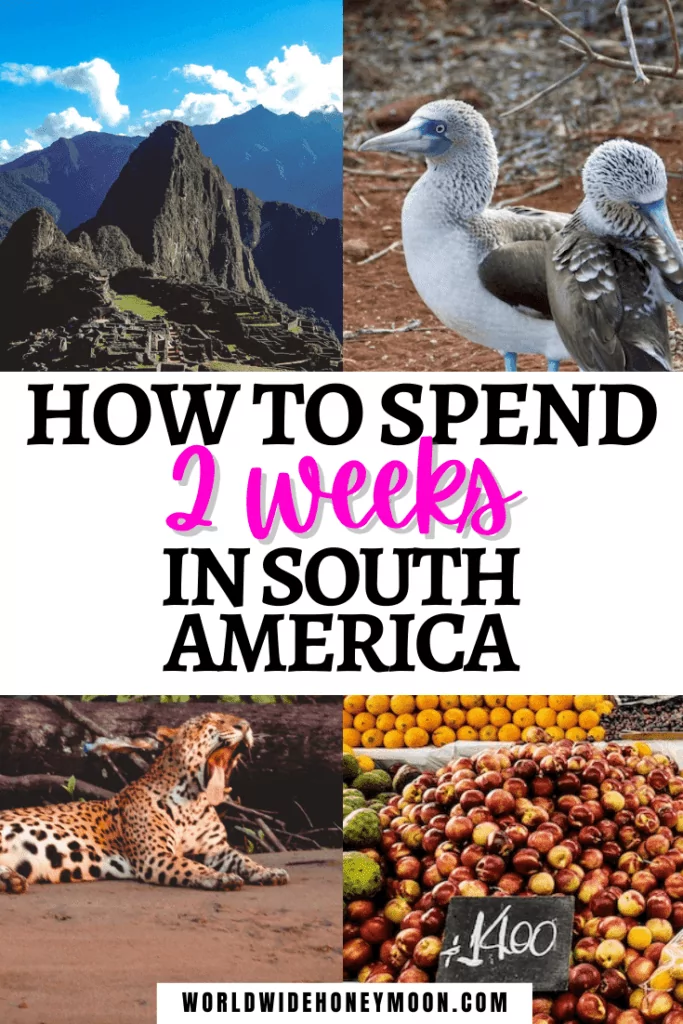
<point>55,126</point>
<point>8,152</point>
<point>221,81</point>
<point>298,82</point>
<point>149,120</point>
<point>194,108</point>
<point>64,126</point>
<point>206,108</point>
<point>95,78</point>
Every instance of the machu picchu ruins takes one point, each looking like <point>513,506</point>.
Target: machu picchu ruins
<point>183,248</point>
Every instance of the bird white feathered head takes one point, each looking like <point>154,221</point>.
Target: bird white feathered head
<point>623,171</point>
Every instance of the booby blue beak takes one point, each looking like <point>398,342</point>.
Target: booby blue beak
<point>657,216</point>
<point>418,136</point>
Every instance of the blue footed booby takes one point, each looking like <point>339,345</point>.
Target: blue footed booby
<point>463,257</point>
<point>612,269</point>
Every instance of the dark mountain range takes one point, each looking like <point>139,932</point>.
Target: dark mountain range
<point>69,179</point>
<point>297,253</point>
<point>281,157</point>
<point>16,198</point>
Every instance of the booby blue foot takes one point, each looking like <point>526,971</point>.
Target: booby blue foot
<point>553,365</point>
<point>510,361</point>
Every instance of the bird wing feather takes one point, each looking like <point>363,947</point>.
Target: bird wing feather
<point>515,274</point>
<point>526,222</point>
<point>666,262</point>
<point>603,305</point>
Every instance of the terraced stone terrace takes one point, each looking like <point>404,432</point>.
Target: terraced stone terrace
<point>158,325</point>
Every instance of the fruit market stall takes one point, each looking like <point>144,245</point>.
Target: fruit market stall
<point>382,722</point>
<point>599,824</point>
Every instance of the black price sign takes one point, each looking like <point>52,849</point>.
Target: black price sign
<point>516,939</point>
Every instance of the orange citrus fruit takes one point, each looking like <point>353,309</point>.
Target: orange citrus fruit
<point>524,717</point>
<point>402,704</point>
<point>429,719</point>
<point>416,737</point>
<point>372,738</point>
<point>425,701</point>
<point>477,718</point>
<point>386,722</point>
<point>377,704</point>
<point>455,717</point>
<point>496,700</point>
<point>509,733</point>
<point>466,732</point>
<point>404,722</point>
<point>354,704</point>
<point>558,703</point>
<point>442,736</point>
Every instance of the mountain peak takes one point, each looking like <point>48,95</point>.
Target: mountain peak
<point>43,276</point>
<point>172,130</point>
<point>178,212</point>
<point>169,137</point>
<point>32,233</point>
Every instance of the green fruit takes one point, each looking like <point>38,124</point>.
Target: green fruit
<point>383,798</point>
<point>353,799</point>
<point>371,783</point>
<point>361,829</point>
<point>362,877</point>
<point>350,767</point>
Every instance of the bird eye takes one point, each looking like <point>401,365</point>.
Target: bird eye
<point>440,128</point>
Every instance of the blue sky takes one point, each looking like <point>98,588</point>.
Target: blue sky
<point>59,62</point>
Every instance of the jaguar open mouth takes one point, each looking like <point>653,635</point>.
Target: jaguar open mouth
<point>219,766</point>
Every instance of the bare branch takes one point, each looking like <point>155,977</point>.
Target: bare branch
<point>583,43</point>
<point>622,9</point>
<point>234,806</point>
<point>584,47</point>
<point>305,813</point>
<point>383,174</point>
<point>388,188</point>
<point>51,787</point>
<point>361,198</point>
<point>412,325</point>
<point>382,252</point>
<point>674,38</point>
<point>653,70</point>
<point>254,838</point>
<point>551,88</point>
<point>69,708</point>
<point>270,835</point>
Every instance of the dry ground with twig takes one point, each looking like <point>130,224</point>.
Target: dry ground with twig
<point>497,55</point>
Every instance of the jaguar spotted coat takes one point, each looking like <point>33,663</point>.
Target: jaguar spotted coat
<point>162,829</point>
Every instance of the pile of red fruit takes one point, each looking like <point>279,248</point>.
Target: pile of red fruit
<point>602,825</point>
